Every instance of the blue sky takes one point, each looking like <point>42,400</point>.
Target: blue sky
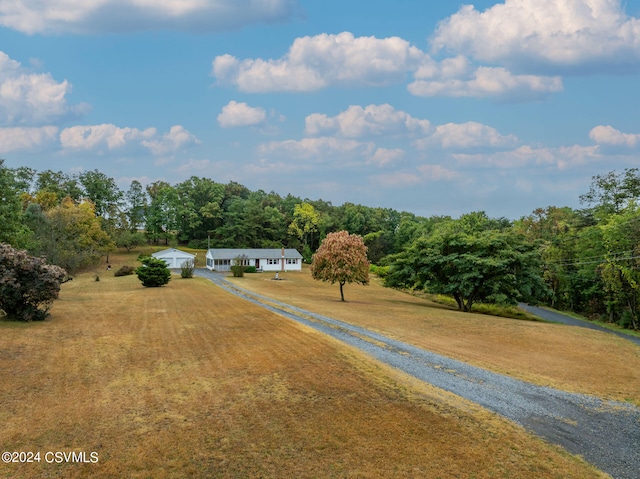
<point>438,108</point>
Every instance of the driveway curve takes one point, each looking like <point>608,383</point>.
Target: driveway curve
<point>605,433</point>
<point>557,317</point>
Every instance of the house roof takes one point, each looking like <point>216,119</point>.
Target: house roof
<point>171,252</point>
<point>253,253</point>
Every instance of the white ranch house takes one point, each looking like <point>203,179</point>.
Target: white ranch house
<point>174,257</point>
<point>221,259</point>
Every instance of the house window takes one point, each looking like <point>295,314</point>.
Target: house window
<point>292,261</point>
<point>209,262</point>
<point>273,261</point>
<point>222,262</point>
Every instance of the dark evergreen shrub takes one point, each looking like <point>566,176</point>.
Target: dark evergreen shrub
<point>125,271</point>
<point>153,272</point>
<point>626,319</point>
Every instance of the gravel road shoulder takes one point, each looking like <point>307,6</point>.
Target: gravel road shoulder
<point>605,433</point>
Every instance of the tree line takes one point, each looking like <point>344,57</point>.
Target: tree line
<point>585,260</point>
<point>46,208</point>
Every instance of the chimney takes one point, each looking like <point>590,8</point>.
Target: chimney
<point>283,259</point>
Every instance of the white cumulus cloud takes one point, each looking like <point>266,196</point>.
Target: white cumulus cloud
<point>111,137</point>
<point>100,136</point>
<point>326,60</point>
<point>28,98</point>
<point>26,138</point>
<point>316,62</point>
<point>467,135</point>
<point>177,138</point>
<point>236,114</point>
<point>92,16</point>
<point>550,34</point>
<point>609,136</point>
<point>484,82</point>
<point>386,156</point>
<point>357,122</point>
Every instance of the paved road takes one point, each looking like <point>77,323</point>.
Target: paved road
<point>605,433</point>
<point>558,317</point>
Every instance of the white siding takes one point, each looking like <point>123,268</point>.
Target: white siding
<point>291,264</point>
<point>252,259</point>
<point>174,258</point>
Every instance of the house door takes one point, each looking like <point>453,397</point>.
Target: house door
<point>257,263</point>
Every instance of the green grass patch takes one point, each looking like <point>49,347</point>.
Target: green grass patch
<point>502,311</point>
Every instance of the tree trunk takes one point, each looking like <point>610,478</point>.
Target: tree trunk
<point>470,300</point>
<point>460,302</point>
<point>341,292</point>
<point>632,310</point>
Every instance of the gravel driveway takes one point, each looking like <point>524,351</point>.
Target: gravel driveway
<point>557,317</point>
<point>605,433</point>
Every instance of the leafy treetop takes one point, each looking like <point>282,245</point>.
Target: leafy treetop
<point>492,265</point>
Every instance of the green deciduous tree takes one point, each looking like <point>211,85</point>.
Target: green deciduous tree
<point>235,232</point>
<point>162,213</point>
<point>129,240</point>
<point>69,235</point>
<point>199,201</point>
<point>28,285</point>
<point>136,205</point>
<point>568,247</point>
<point>342,259</point>
<point>11,228</point>
<point>612,192</point>
<point>305,224</point>
<point>470,264</point>
<point>621,267</point>
<point>153,272</point>
<point>102,191</point>
<point>59,183</point>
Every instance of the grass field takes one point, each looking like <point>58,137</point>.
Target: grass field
<point>568,358</point>
<point>189,381</point>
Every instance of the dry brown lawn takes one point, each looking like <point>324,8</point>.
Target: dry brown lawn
<point>189,381</point>
<point>569,358</point>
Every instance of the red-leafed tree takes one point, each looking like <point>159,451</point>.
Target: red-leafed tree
<point>28,285</point>
<point>342,259</point>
